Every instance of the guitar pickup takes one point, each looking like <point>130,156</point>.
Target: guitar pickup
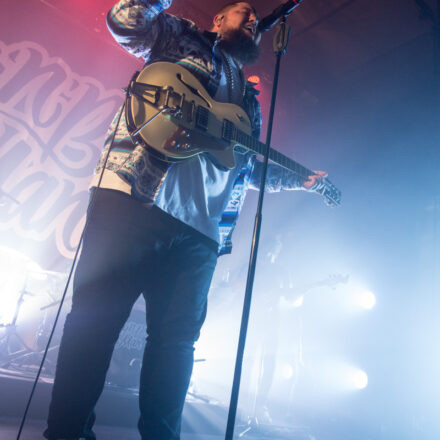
<point>202,118</point>
<point>228,130</point>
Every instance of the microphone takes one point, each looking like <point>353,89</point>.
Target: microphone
<point>272,19</point>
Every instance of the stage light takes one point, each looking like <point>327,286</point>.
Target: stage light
<point>365,299</point>
<point>359,379</point>
<point>254,79</point>
<point>286,371</point>
<point>340,376</point>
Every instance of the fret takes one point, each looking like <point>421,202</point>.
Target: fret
<point>282,160</point>
<point>261,147</point>
<point>255,143</point>
<point>235,134</point>
<point>258,147</point>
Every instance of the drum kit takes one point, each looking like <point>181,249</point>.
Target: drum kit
<point>27,311</point>
<point>28,299</point>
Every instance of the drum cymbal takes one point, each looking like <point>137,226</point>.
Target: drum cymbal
<point>17,262</point>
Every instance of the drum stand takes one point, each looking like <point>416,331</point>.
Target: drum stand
<point>11,336</point>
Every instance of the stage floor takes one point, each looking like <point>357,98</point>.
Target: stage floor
<point>116,411</point>
<point>34,428</point>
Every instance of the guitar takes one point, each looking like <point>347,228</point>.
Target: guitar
<point>170,112</point>
<point>293,297</point>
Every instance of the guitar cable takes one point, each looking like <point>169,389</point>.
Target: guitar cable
<point>63,297</point>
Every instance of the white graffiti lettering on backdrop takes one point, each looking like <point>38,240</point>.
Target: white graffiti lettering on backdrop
<point>52,126</point>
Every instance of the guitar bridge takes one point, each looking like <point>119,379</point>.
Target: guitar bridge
<point>144,91</point>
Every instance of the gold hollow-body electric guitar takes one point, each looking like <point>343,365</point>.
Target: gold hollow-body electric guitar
<point>170,112</point>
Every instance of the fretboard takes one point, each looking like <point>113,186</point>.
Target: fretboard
<point>258,147</point>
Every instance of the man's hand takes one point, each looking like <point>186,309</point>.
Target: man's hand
<point>314,181</point>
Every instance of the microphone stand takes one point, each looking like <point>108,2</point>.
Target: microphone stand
<point>427,12</point>
<point>281,40</point>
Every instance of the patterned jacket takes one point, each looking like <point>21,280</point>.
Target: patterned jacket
<point>141,28</point>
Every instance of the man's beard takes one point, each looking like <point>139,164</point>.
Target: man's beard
<point>240,46</point>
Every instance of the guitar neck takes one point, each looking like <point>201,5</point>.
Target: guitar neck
<point>232,134</point>
<point>250,143</point>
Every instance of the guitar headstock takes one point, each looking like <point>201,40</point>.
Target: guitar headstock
<point>331,194</point>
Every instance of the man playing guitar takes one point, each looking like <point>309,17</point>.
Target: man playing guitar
<point>156,228</point>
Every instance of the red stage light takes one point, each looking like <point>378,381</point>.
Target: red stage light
<point>254,79</point>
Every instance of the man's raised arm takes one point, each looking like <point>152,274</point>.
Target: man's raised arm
<point>138,25</point>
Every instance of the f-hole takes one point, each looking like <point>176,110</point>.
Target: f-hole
<point>193,90</point>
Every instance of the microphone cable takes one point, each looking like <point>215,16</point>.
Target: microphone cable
<point>63,297</point>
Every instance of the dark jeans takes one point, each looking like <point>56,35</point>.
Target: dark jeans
<point>129,249</point>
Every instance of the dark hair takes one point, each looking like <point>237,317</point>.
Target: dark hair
<point>229,5</point>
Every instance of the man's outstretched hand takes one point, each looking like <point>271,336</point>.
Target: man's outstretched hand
<point>314,181</point>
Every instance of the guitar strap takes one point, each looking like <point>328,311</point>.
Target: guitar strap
<point>230,79</point>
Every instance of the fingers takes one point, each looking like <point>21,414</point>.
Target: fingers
<point>322,174</point>
<point>314,181</point>
<point>310,182</point>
